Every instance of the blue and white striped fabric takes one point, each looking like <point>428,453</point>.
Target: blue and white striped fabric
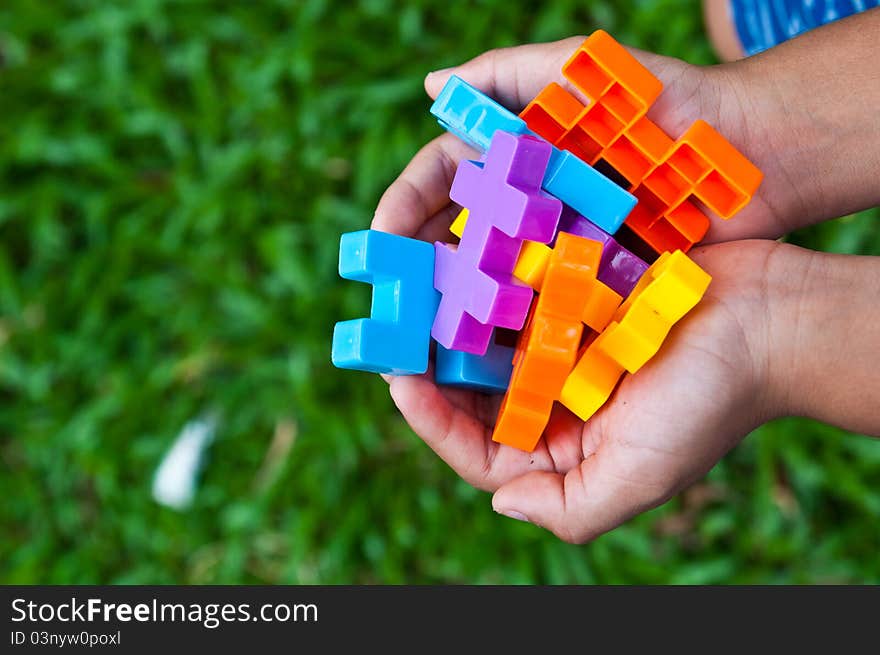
<point>762,24</point>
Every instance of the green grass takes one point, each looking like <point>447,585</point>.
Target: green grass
<point>173,180</point>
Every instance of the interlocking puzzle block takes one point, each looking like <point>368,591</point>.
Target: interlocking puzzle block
<point>489,373</point>
<point>671,287</point>
<point>457,227</point>
<point>506,206</point>
<point>474,118</point>
<point>532,260</point>
<point>396,337</point>
<point>586,190</point>
<point>619,269</point>
<point>547,349</point>
<point>532,264</point>
<point>663,174</point>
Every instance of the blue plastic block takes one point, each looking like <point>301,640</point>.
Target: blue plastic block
<point>587,191</point>
<point>474,118</point>
<point>489,373</point>
<point>396,337</point>
<point>472,115</point>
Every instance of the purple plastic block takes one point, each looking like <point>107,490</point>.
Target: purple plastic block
<point>506,205</point>
<point>619,268</point>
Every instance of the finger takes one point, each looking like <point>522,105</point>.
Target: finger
<point>566,452</point>
<point>580,505</point>
<point>455,434</point>
<point>512,76</point>
<point>436,228</point>
<point>422,189</point>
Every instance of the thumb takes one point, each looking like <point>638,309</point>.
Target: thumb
<point>512,76</point>
<point>579,505</point>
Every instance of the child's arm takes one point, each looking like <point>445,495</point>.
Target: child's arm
<point>805,113</point>
<point>808,111</point>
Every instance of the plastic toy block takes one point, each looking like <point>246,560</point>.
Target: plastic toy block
<point>582,187</point>
<point>396,337</point>
<point>667,292</point>
<point>600,306</point>
<point>619,269</point>
<point>457,227</point>
<point>670,288</point>
<point>532,264</point>
<point>724,179</point>
<point>489,373</point>
<point>547,349</point>
<point>505,206</point>
<point>602,68</point>
<point>474,118</point>
<point>592,381</point>
<point>532,260</point>
<point>526,408</point>
<point>472,115</point>
<point>662,174</point>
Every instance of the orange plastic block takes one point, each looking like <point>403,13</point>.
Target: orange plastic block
<point>664,175</point>
<point>669,289</point>
<point>547,349</point>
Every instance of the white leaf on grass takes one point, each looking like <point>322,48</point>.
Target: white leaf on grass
<point>174,484</point>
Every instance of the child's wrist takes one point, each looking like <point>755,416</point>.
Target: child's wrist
<point>824,337</point>
<point>749,281</point>
<point>789,287</point>
<point>755,114</point>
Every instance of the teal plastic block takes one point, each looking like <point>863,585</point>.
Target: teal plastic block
<point>587,191</point>
<point>489,373</point>
<point>396,337</point>
<point>474,117</point>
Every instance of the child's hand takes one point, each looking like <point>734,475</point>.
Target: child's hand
<point>665,426</point>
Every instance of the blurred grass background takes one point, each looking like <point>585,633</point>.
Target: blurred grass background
<point>173,180</point>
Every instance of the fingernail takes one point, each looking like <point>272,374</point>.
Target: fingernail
<point>513,514</point>
<point>439,71</point>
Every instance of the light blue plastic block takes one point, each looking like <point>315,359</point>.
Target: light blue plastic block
<point>474,118</point>
<point>587,191</point>
<point>472,115</point>
<point>396,337</point>
<point>489,373</point>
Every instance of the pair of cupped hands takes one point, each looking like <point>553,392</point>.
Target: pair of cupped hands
<point>711,383</point>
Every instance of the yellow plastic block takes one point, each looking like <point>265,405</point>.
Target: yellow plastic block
<point>667,291</point>
<point>532,263</point>
<point>591,381</point>
<point>457,227</point>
